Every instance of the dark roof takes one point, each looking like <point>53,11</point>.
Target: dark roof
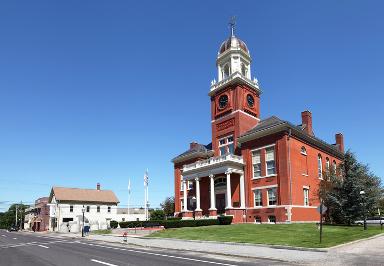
<point>274,124</point>
<point>198,150</point>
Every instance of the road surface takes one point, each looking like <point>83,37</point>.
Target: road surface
<point>20,248</point>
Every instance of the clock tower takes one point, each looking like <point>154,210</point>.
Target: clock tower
<point>235,97</point>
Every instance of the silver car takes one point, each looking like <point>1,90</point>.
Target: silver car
<point>372,220</point>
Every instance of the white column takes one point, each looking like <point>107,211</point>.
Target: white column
<point>229,194</point>
<point>213,203</point>
<point>242,195</point>
<point>185,195</point>
<point>197,195</point>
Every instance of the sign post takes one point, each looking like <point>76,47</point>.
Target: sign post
<point>321,209</point>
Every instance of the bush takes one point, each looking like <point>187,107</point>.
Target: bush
<point>157,215</point>
<point>113,224</point>
<point>225,220</point>
<point>174,218</point>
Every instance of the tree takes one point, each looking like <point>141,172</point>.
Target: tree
<point>8,218</point>
<point>340,191</point>
<point>168,206</point>
<point>157,215</point>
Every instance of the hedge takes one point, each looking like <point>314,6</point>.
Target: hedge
<point>177,223</point>
<point>113,224</point>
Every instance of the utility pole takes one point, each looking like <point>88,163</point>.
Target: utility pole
<point>16,216</point>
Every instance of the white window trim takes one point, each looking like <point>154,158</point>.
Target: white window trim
<point>261,199</point>
<point>321,167</point>
<point>263,187</point>
<point>305,188</point>
<point>264,147</point>
<point>266,162</point>
<point>304,174</point>
<point>226,144</point>
<point>268,197</point>
<point>259,177</point>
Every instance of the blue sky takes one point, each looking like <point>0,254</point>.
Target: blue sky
<point>98,91</point>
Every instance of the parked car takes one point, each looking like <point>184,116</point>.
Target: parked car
<point>13,228</point>
<point>371,220</point>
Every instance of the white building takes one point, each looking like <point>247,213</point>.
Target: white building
<point>67,206</point>
<point>135,214</point>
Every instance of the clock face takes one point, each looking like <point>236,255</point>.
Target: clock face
<point>250,100</point>
<point>223,101</point>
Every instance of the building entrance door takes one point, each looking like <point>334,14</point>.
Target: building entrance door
<point>220,203</point>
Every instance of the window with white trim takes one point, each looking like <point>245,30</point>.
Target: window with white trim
<point>306,196</point>
<point>272,196</point>
<point>334,167</point>
<point>319,166</point>
<point>181,184</point>
<point>327,164</point>
<point>190,185</point>
<point>270,160</point>
<point>226,145</point>
<point>257,220</point>
<point>258,197</point>
<point>88,208</point>
<point>98,208</point>
<point>304,161</point>
<point>109,208</point>
<point>182,204</point>
<point>70,208</point>
<point>256,163</point>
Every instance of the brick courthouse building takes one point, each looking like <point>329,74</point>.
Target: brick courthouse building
<point>258,170</point>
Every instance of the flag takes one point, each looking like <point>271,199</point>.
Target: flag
<point>129,186</point>
<point>146,178</point>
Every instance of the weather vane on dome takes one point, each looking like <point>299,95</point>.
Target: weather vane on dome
<point>232,24</point>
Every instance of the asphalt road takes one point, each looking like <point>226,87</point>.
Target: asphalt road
<point>19,248</point>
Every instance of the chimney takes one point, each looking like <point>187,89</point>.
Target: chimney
<point>98,186</point>
<point>340,141</point>
<point>193,145</point>
<point>306,122</point>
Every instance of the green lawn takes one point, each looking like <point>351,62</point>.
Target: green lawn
<point>299,235</point>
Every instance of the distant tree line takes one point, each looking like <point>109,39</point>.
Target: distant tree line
<point>341,192</point>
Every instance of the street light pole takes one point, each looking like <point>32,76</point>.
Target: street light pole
<point>82,230</point>
<point>362,193</point>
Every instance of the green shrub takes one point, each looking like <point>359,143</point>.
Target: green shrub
<point>225,220</point>
<point>113,224</point>
<point>174,218</point>
<point>157,215</point>
<point>189,223</point>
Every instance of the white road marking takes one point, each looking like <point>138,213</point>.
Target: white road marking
<point>4,235</point>
<point>102,262</point>
<point>168,256</point>
<point>42,246</point>
<point>14,238</point>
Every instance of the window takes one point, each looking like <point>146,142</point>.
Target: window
<point>256,163</point>
<point>181,184</point>
<point>71,208</point>
<point>319,166</point>
<point>226,71</point>
<point>226,145</point>
<point>190,185</point>
<point>243,70</point>
<point>109,208</point>
<point>123,219</point>
<point>327,164</point>
<point>182,204</point>
<point>258,197</point>
<point>306,196</point>
<point>88,208</point>
<point>334,167</point>
<point>304,161</point>
<point>98,208</point>
<point>272,219</point>
<point>272,196</point>
<point>270,161</point>
<point>257,220</point>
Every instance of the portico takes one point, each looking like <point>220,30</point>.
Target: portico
<point>225,186</point>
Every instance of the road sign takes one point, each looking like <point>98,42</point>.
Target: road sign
<point>324,209</point>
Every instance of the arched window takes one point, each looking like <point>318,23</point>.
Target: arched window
<point>319,166</point>
<point>257,220</point>
<point>334,167</point>
<point>244,70</point>
<point>226,71</point>
<point>303,151</point>
<point>220,182</point>
<point>327,164</point>
<point>304,161</point>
